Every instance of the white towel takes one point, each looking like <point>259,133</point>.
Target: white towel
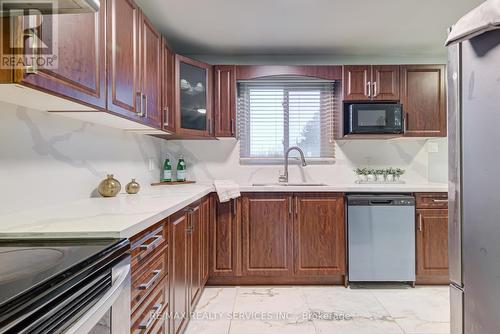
<point>481,19</point>
<point>227,190</point>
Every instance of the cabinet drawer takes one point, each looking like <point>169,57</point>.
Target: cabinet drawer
<point>148,244</point>
<point>150,316</point>
<point>148,276</point>
<point>431,200</point>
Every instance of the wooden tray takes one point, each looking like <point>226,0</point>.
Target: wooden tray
<point>172,183</point>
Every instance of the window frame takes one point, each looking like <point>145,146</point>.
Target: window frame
<point>255,160</point>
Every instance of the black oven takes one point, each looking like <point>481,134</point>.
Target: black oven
<point>374,118</point>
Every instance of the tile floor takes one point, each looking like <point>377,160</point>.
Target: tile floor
<point>322,310</point>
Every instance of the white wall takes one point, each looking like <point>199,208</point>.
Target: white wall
<point>47,159</point>
<point>219,159</point>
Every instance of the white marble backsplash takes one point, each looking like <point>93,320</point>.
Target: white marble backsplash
<point>219,159</point>
<point>50,159</point>
<point>47,159</point>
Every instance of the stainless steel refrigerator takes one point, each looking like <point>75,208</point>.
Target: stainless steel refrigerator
<point>474,171</point>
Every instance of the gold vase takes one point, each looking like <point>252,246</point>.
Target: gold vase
<point>133,187</point>
<point>110,187</point>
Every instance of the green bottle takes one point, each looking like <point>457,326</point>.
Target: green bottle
<point>181,170</point>
<point>167,171</point>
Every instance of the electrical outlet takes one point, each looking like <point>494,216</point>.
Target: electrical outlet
<point>151,164</point>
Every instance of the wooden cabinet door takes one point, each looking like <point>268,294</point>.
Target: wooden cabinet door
<point>225,239</point>
<point>423,98</point>
<point>225,100</point>
<point>123,65</point>
<point>168,109</point>
<point>267,234</point>
<point>193,98</point>
<point>357,82</point>
<point>195,253</point>
<point>81,72</point>
<point>385,82</point>
<point>180,277</point>
<point>151,73</point>
<point>432,242</point>
<point>319,234</point>
<point>205,236</point>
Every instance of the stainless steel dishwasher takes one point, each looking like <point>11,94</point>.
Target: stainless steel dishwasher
<point>381,238</point>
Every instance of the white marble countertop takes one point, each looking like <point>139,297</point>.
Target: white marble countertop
<point>351,187</point>
<point>126,215</point>
<point>119,217</point>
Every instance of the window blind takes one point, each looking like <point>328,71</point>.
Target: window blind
<point>275,114</point>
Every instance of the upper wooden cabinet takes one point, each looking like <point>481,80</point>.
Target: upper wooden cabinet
<point>80,74</point>
<point>367,83</point>
<point>124,81</point>
<point>151,48</point>
<point>385,82</point>
<point>423,95</point>
<point>193,97</point>
<point>319,234</point>
<point>225,100</point>
<point>167,90</point>
<point>134,64</point>
<point>267,234</point>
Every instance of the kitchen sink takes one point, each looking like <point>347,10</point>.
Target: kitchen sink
<point>289,184</point>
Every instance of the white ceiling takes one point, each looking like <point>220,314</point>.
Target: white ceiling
<point>346,28</point>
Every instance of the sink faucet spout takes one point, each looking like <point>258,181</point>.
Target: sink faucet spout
<point>284,177</point>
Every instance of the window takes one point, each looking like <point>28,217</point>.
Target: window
<point>275,114</point>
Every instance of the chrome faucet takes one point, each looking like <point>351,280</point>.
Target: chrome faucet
<point>284,177</point>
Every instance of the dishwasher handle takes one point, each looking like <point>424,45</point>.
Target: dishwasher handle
<point>381,202</point>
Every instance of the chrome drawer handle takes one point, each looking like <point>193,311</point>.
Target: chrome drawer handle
<point>145,286</point>
<point>440,200</point>
<point>152,244</point>
<point>150,320</point>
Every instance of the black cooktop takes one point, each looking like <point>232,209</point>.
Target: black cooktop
<point>29,263</point>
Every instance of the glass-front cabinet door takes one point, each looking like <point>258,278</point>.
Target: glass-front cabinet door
<point>193,97</point>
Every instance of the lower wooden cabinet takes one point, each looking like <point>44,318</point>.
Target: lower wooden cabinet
<point>319,234</point>
<point>432,238</point>
<point>195,243</point>
<point>432,246</point>
<point>150,280</point>
<point>180,276</point>
<point>189,240</point>
<point>225,239</point>
<point>267,236</point>
<point>279,238</point>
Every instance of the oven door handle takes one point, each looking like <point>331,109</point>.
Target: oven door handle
<point>120,283</point>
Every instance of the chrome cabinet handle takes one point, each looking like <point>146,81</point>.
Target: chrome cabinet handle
<point>232,127</point>
<point>420,222</point>
<point>209,126</point>
<point>140,111</point>
<point>233,206</point>
<point>149,321</point>
<point>145,99</point>
<point>165,114</point>
<point>152,244</point>
<point>440,200</point>
<point>369,89</point>
<point>156,273</point>
<point>33,68</point>
<point>290,205</point>
<point>375,89</point>
<point>296,205</point>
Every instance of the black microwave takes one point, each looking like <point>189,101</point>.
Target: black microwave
<point>374,118</point>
